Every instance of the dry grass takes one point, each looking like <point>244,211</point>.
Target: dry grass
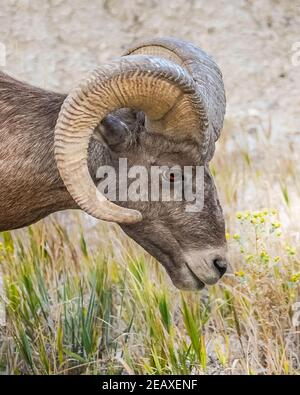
<point>82,298</point>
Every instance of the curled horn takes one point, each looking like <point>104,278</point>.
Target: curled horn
<point>208,79</point>
<point>164,84</point>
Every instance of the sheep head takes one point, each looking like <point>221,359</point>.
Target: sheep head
<point>162,104</point>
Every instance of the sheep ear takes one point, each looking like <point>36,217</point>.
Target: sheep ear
<point>111,131</point>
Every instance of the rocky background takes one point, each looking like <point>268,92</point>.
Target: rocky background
<point>53,43</point>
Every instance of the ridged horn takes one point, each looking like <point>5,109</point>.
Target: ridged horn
<point>208,79</point>
<point>160,88</point>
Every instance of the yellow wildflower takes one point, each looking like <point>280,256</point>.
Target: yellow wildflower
<point>247,214</point>
<point>240,273</point>
<point>295,277</point>
<point>290,250</point>
<point>276,225</point>
<point>239,215</point>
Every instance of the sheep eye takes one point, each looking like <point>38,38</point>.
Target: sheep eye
<point>173,175</point>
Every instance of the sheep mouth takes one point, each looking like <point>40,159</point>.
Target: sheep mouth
<point>199,284</point>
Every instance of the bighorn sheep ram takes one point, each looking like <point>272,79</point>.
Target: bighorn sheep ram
<point>163,102</point>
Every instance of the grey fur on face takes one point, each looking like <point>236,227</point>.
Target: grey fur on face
<point>180,240</point>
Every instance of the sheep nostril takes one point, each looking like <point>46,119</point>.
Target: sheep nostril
<point>220,265</point>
